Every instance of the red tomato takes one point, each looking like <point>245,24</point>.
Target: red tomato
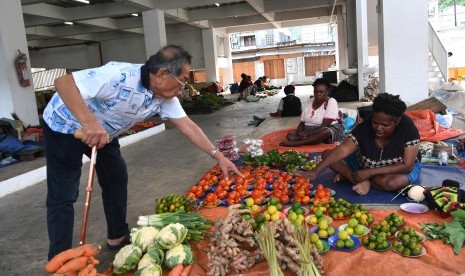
<point>277,193</point>
<point>300,193</point>
<point>233,194</point>
<point>306,199</point>
<point>284,198</point>
<point>222,194</point>
<point>211,197</point>
<point>199,193</point>
<point>190,195</point>
<point>258,199</point>
<point>297,198</point>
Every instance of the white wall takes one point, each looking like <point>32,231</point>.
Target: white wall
<point>404,49</point>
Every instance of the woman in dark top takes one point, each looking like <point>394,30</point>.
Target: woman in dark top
<point>382,151</point>
<point>290,105</point>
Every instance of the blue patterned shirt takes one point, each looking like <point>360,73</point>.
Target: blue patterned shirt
<point>115,95</point>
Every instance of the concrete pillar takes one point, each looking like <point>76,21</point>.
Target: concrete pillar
<point>362,43</point>
<point>154,31</point>
<point>210,54</point>
<point>341,41</point>
<point>403,48</point>
<point>351,33</point>
<point>14,97</point>
<point>228,76</point>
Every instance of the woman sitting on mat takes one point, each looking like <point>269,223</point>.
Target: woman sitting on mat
<point>321,120</point>
<point>381,151</point>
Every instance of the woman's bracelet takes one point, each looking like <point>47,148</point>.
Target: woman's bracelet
<point>213,152</point>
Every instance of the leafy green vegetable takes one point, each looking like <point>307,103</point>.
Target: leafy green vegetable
<point>450,232</point>
<point>456,234</point>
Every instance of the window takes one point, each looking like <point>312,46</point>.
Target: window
<point>248,41</point>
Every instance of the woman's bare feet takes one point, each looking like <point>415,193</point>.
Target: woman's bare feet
<point>362,188</point>
<point>338,178</point>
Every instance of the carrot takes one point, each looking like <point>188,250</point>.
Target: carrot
<point>73,273</point>
<point>86,270</point>
<point>93,272</point>
<point>91,249</point>
<point>74,265</point>
<point>186,270</point>
<point>60,259</point>
<point>94,261</point>
<point>176,271</point>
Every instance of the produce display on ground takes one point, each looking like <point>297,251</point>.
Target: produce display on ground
<point>279,224</point>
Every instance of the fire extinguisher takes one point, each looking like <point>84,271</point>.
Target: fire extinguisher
<point>22,70</point>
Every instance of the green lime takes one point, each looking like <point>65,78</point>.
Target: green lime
<point>273,201</point>
<point>296,205</point>
<point>314,238</point>
<point>331,231</point>
<point>353,223</point>
<point>340,244</point>
<point>349,243</point>
<point>292,216</point>
<point>343,235</point>
<point>260,218</point>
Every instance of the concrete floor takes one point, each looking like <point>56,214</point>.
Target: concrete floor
<point>160,165</point>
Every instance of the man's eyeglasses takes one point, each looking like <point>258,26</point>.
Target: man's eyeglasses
<point>182,83</point>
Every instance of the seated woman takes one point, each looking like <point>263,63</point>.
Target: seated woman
<point>381,151</point>
<point>321,120</point>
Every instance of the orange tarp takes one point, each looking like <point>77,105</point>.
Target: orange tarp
<point>428,127</point>
<point>439,258</point>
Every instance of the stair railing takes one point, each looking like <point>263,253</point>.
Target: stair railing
<point>438,51</point>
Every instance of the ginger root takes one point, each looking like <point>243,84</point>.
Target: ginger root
<point>226,249</point>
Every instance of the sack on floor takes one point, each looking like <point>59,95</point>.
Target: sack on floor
<point>346,92</point>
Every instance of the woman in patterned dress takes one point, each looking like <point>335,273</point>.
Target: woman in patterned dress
<point>321,120</point>
<point>381,151</point>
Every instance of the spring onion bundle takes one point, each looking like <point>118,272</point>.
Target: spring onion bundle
<point>195,223</point>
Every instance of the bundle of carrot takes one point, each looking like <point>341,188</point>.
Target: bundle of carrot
<point>77,261</point>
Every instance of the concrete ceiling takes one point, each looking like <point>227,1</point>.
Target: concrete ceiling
<point>110,19</point>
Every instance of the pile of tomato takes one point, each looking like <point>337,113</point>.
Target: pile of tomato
<point>259,183</point>
<point>322,194</point>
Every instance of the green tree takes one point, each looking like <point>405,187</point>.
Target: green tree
<point>443,4</point>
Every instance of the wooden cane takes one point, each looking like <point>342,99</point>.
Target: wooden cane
<point>89,188</point>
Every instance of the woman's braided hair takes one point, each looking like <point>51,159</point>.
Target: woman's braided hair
<point>389,104</point>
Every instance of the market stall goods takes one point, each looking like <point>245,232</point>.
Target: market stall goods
<point>151,249</point>
<point>80,260</point>
<point>232,245</point>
